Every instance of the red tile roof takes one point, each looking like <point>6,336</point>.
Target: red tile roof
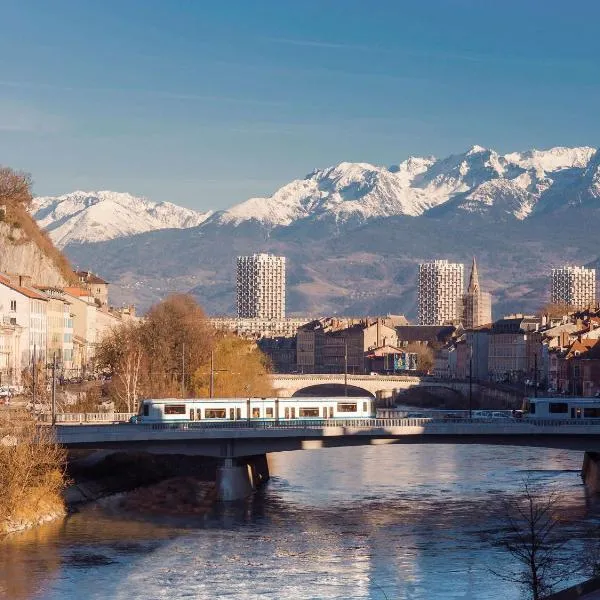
<point>21,290</point>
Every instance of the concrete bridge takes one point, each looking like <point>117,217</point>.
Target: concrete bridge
<point>243,445</point>
<point>287,385</point>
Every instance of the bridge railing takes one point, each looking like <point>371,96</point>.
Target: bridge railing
<point>375,423</point>
<point>70,418</point>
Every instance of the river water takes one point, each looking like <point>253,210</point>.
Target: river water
<point>392,521</point>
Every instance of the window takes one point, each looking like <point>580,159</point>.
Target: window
<point>232,414</point>
<point>174,409</point>
<point>238,413</point>
<point>324,412</point>
<point>287,412</point>
<point>146,410</point>
<point>215,413</point>
<point>365,407</point>
<point>591,413</point>
<point>346,407</point>
<point>198,414</point>
<point>269,412</point>
<point>191,414</point>
<point>13,305</point>
<point>308,412</point>
<point>256,413</point>
<point>558,407</point>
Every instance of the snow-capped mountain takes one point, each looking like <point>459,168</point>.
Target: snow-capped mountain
<point>83,217</point>
<point>477,181</point>
<point>353,233</point>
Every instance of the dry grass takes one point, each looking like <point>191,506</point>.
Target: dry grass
<point>32,472</point>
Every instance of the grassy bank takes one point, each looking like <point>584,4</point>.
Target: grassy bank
<point>32,473</point>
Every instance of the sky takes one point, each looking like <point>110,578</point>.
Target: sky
<point>208,103</point>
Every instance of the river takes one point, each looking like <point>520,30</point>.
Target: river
<point>411,522</point>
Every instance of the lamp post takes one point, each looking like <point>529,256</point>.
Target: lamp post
<point>345,368</point>
<point>471,382</point>
<point>54,389</point>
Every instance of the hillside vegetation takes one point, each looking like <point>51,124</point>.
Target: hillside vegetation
<point>25,248</point>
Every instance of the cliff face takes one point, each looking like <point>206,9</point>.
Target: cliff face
<point>20,254</point>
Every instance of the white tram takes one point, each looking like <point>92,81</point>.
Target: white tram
<point>161,410</point>
<point>562,408</point>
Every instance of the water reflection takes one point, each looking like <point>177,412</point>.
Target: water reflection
<point>370,522</point>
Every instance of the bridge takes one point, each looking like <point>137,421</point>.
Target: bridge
<point>287,385</point>
<point>242,446</point>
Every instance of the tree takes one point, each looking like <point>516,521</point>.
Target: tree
<point>240,369</point>
<point>534,541</point>
<point>555,310</point>
<point>15,187</point>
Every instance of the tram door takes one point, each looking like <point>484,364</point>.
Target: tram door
<point>232,414</point>
<point>293,412</point>
<point>331,412</point>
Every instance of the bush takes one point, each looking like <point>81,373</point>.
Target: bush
<point>32,471</point>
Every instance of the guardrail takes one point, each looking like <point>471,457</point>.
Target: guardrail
<point>348,423</point>
<point>86,417</point>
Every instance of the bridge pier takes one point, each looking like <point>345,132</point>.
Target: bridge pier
<point>238,478</point>
<point>590,472</point>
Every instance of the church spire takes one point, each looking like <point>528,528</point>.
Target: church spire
<point>474,279</point>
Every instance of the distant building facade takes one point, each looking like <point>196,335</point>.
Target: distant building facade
<point>440,290</point>
<point>96,286</point>
<point>476,304</point>
<point>259,328</point>
<point>261,286</point>
<point>574,286</point>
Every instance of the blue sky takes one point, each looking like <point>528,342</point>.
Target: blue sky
<point>208,103</point>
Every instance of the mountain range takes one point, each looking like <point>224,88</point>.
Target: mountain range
<point>353,233</point>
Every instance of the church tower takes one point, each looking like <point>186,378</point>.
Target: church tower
<point>476,304</point>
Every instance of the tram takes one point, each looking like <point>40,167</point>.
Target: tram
<point>161,410</point>
<point>561,408</point>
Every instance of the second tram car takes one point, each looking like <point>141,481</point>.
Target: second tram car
<point>563,409</point>
<point>161,410</point>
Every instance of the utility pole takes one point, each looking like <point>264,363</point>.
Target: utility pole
<point>183,370</point>
<point>345,367</point>
<point>54,389</point>
<point>33,378</point>
<point>535,374</point>
<point>471,383</point>
<point>212,374</point>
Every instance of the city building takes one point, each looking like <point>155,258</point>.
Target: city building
<point>261,286</point>
<point>26,307</point>
<point>259,328</point>
<point>440,290</point>
<point>96,286</point>
<point>60,329</point>
<point>574,286</point>
<point>476,304</point>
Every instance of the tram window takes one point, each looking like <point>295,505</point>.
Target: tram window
<point>146,410</point>
<point>198,414</point>
<point>324,412</point>
<point>331,412</point>
<point>269,412</point>
<point>558,407</point>
<point>191,414</point>
<point>215,413</point>
<point>346,407</point>
<point>308,412</point>
<point>365,407</point>
<point>532,408</point>
<point>231,414</point>
<point>174,409</point>
<point>293,412</point>
<point>591,412</point>
<point>256,413</point>
<point>287,412</point>
<point>238,413</point>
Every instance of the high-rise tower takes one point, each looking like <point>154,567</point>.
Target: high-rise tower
<point>476,304</point>
<point>440,289</point>
<point>574,286</point>
<point>261,286</point>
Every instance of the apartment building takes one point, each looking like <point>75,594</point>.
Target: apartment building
<point>60,328</point>
<point>440,290</point>
<point>23,306</point>
<point>574,286</point>
<point>261,286</point>
<point>259,328</point>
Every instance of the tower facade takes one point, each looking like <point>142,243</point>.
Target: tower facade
<point>440,289</point>
<point>261,286</point>
<point>574,286</point>
<point>476,304</point>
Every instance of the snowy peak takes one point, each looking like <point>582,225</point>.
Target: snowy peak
<point>81,217</point>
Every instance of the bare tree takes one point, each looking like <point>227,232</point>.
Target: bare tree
<point>533,539</point>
